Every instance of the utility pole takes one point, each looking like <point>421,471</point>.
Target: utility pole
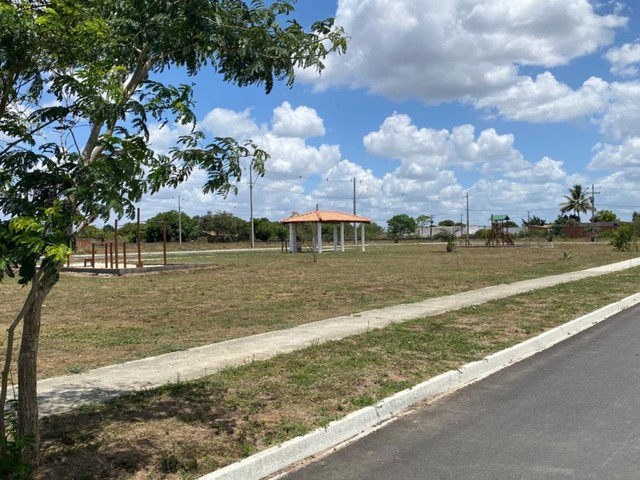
<point>253,235</point>
<point>593,201</point>
<point>179,223</point>
<point>467,243</point>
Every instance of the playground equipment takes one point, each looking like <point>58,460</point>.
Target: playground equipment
<point>499,234</point>
<point>112,250</point>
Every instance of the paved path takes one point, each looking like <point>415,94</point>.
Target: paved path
<point>60,394</point>
<point>570,412</point>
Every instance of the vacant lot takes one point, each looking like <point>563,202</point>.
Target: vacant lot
<point>92,321</point>
<point>184,430</point>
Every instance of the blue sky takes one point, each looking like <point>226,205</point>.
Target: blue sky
<point>510,102</point>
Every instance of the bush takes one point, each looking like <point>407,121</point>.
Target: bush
<point>11,464</point>
<point>622,239</point>
<point>482,234</point>
<point>449,237</point>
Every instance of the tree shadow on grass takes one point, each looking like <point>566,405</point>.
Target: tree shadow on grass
<point>191,427</point>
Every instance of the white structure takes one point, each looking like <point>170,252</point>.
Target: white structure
<point>318,218</point>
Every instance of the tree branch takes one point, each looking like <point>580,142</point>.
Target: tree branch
<point>91,151</point>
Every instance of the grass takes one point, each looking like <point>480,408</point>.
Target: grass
<point>91,321</point>
<point>186,429</point>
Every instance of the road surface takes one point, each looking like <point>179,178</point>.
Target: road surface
<point>570,412</point>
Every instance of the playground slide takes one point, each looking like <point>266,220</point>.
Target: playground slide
<point>508,239</point>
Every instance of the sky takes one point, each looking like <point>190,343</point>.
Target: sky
<point>505,103</point>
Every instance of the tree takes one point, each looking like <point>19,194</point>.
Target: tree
<point>91,231</point>
<point>154,226</point>
<point>373,231</point>
<point>622,239</point>
<point>605,216</point>
<point>577,201</point>
<point>449,236</point>
<point>401,225</point>
<point>446,223</point>
<point>101,62</point>
<point>423,221</point>
<point>534,221</point>
<point>264,229</point>
<point>129,232</point>
<point>224,227</point>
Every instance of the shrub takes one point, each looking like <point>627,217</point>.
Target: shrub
<point>448,236</point>
<point>11,463</point>
<point>622,239</point>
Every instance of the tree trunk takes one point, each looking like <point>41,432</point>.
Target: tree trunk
<point>28,424</point>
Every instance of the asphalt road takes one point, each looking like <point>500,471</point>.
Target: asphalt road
<point>570,412</point>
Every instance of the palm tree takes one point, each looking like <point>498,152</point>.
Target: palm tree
<point>577,201</point>
<point>449,236</point>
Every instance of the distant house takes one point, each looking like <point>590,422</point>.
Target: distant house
<point>587,230</point>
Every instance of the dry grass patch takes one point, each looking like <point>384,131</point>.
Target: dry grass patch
<point>96,321</point>
<point>187,429</point>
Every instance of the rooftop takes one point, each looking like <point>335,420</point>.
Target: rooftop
<point>326,217</point>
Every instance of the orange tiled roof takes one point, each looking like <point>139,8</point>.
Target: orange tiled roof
<point>326,217</point>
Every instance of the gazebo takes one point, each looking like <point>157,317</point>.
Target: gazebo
<point>318,218</point>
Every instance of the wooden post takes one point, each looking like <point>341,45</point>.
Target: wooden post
<point>124,254</point>
<point>93,255</point>
<point>106,255</point>
<point>110,254</point>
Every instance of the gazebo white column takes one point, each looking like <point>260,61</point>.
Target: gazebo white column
<point>292,238</point>
<point>319,237</point>
<point>362,235</point>
<point>342,237</point>
<point>335,237</point>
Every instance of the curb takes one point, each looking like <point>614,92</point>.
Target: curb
<point>277,458</point>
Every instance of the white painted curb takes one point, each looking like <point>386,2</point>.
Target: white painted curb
<point>277,458</point>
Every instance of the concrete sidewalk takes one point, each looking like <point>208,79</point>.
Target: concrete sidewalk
<point>60,394</point>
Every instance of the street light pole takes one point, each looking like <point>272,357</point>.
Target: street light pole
<point>253,235</point>
<point>468,244</point>
<point>179,223</point>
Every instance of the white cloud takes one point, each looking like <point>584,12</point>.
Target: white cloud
<point>544,171</point>
<point>291,157</point>
<point>302,122</point>
<point>292,162</point>
<point>449,49</point>
<point>162,138</point>
<point>622,117</point>
<point>617,157</point>
<point>624,59</point>
<point>222,122</point>
<point>547,100</point>
<point>424,152</point>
